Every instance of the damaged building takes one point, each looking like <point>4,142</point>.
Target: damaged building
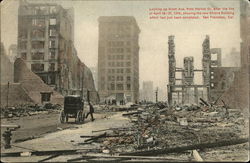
<point>219,83</point>
<point>118,58</point>
<point>46,44</point>
<point>238,94</point>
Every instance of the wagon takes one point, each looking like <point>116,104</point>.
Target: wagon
<point>73,108</point>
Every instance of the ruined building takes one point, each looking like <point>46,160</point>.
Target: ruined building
<point>237,96</point>
<point>118,58</point>
<point>46,43</point>
<point>184,90</point>
<point>216,79</point>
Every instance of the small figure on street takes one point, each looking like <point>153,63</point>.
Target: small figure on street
<point>91,111</point>
<point>7,138</point>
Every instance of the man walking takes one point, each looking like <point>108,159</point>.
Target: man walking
<point>91,111</point>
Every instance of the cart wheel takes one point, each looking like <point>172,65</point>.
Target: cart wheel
<point>78,117</point>
<point>62,117</point>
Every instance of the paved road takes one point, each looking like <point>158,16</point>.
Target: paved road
<point>68,138</point>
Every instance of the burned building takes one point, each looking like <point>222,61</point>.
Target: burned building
<point>238,94</point>
<point>118,58</point>
<point>46,43</point>
<point>184,90</point>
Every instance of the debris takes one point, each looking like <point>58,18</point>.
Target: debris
<point>96,137</point>
<point>183,121</point>
<point>204,102</point>
<point>197,156</point>
<point>25,154</point>
<point>124,158</point>
<point>131,113</point>
<point>49,158</point>
<point>105,151</point>
<point>189,147</point>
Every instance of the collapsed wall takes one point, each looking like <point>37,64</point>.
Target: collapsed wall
<point>16,95</point>
<point>33,84</point>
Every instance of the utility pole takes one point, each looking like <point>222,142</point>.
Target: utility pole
<point>8,94</point>
<point>156,95</point>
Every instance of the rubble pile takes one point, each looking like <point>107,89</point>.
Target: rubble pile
<point>160,127</point>
<point>28,110</point>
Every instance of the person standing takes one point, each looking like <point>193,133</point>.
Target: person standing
<point>91,111</point>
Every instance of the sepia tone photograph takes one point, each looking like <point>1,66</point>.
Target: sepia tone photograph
<point>125,80</point>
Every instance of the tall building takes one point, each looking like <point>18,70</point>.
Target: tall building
<point>46,43</point>
<point>118,58</point>
<point>147,91</point>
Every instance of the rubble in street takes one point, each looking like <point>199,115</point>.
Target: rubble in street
<point>157,127</point>
<point>29,110</point>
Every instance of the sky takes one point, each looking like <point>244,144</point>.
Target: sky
<point>153,38</point>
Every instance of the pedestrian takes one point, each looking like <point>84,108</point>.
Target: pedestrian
<point>91,111</point>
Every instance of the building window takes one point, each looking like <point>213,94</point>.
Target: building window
<point>52,67</point>
<point>128,57</point>
<point>128,50</point>
<point>37,44</point>
<point>128,78</point>
<point>128,70</point>
<point>23,45</point>
<point>45,97</point>
<point>128,86</point>
<point>37,56</point>
<point>52,79</point>
<point>38,22</point>
<point>24,56</point>
<point>37,67</point>
<point>119,86</point>
<point>52,21</point>
<point>128,64</point>
<point>23,34</point>
<point>52,43</point>
<point>38,33</point>
<point>112,86</point>
<point>52,54</point>
<point>52,32</point>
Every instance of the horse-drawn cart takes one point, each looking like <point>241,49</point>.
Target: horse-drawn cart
<point>73,108</point>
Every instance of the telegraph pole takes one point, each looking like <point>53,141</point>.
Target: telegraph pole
<point>8,94</point>
<point>156,95</point>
